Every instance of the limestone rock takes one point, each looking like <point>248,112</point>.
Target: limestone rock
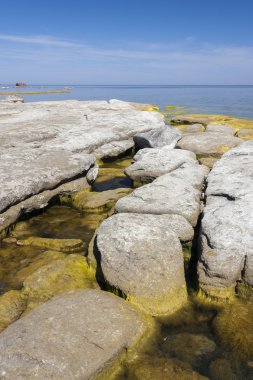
<point>114,149</point>
<point>64,245</point>
<point>220,129</point>
<point>246,134</point>
<point>197,348</point>
<point>12,305</point>
<point>39,261</point>
<point>13,99</point>
<point>92,174</point>
<point>157,138</point>
<point>178,192</point>
<point>152,163</point>
<point>39,201</point>
<point>151,368</point>
<point>142,257</point>
<point>58,277</point>
<point>98,201</point>
<point>193,128</point>
<point>226,240</point>
<point>208,161</point>
<point>77,335</point>
<point>45,144</point>
<point>209,143</point>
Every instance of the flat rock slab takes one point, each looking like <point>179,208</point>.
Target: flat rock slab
<point>80,334</point>
<point>178,192</point>
<point>227,238</point>
<point>114,149</point>
<point>246,134</point>
<point>209,143</point>
<point>142,256</point>
<point>98,201</point>
<point>47,143</point>
<point>220,129</point>
<point>152,163</point>
<point>166,135</point>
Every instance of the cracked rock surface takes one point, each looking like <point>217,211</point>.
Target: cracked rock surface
<point>80,334</point>
<point>142,256</point>
<point>178,192</point>
<point>152,163</point>
<point>167,135</point>
<point>227,226</point>
<point>45,144</point>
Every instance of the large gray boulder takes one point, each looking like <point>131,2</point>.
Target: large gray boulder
<point>114,149</point>
<point>166,135</point>
<point>209,143</point>
<point>220,129</point>
<point>152,163</point>
<point>178,192</point>
<point>226,257</point>
<point>142,256</point>
<point>46,144</point>
<point>74,336</point>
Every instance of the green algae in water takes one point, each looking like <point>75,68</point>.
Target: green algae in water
<point>111,175</point>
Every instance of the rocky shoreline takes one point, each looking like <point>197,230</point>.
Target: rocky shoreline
<point>190,207</point>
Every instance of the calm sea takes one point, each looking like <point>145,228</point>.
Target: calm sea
<point>229,100</point>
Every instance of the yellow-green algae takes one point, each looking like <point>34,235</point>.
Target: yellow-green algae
<point>161,368</point>
<point>219,294</point>
<point>244,290</point>
<point>116,370</point>
<point>165,304</point>
<point>59,276</point>
<point>64,245</point>
<point>221,369</point>
<point>234,122</point>
<point>96,202</point>
<point>233,326</point>
<point>12,305</point>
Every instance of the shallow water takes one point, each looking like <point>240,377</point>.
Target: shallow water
<point>228,100</point>
<point>187,339</point>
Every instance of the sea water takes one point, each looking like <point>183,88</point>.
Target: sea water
<point>234,101</point>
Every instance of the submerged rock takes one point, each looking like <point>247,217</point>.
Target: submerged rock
<point>64,245</point>
<point>98,201</point>
<point>79,335</point>
<point>190,348</point>
<point>221,369</point>
<point>152,163</point>
<point>178,192</point>
<point>154,368</point>
<point>157,138</point>
<point>226,239</point>
<point>141,256</point>
<point>57,277</point>
<point>233,326</point>
<point>12,305</point>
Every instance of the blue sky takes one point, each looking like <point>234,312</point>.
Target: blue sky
<point>126,41</point>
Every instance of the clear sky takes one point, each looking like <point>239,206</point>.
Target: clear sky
<point>126,41</point>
